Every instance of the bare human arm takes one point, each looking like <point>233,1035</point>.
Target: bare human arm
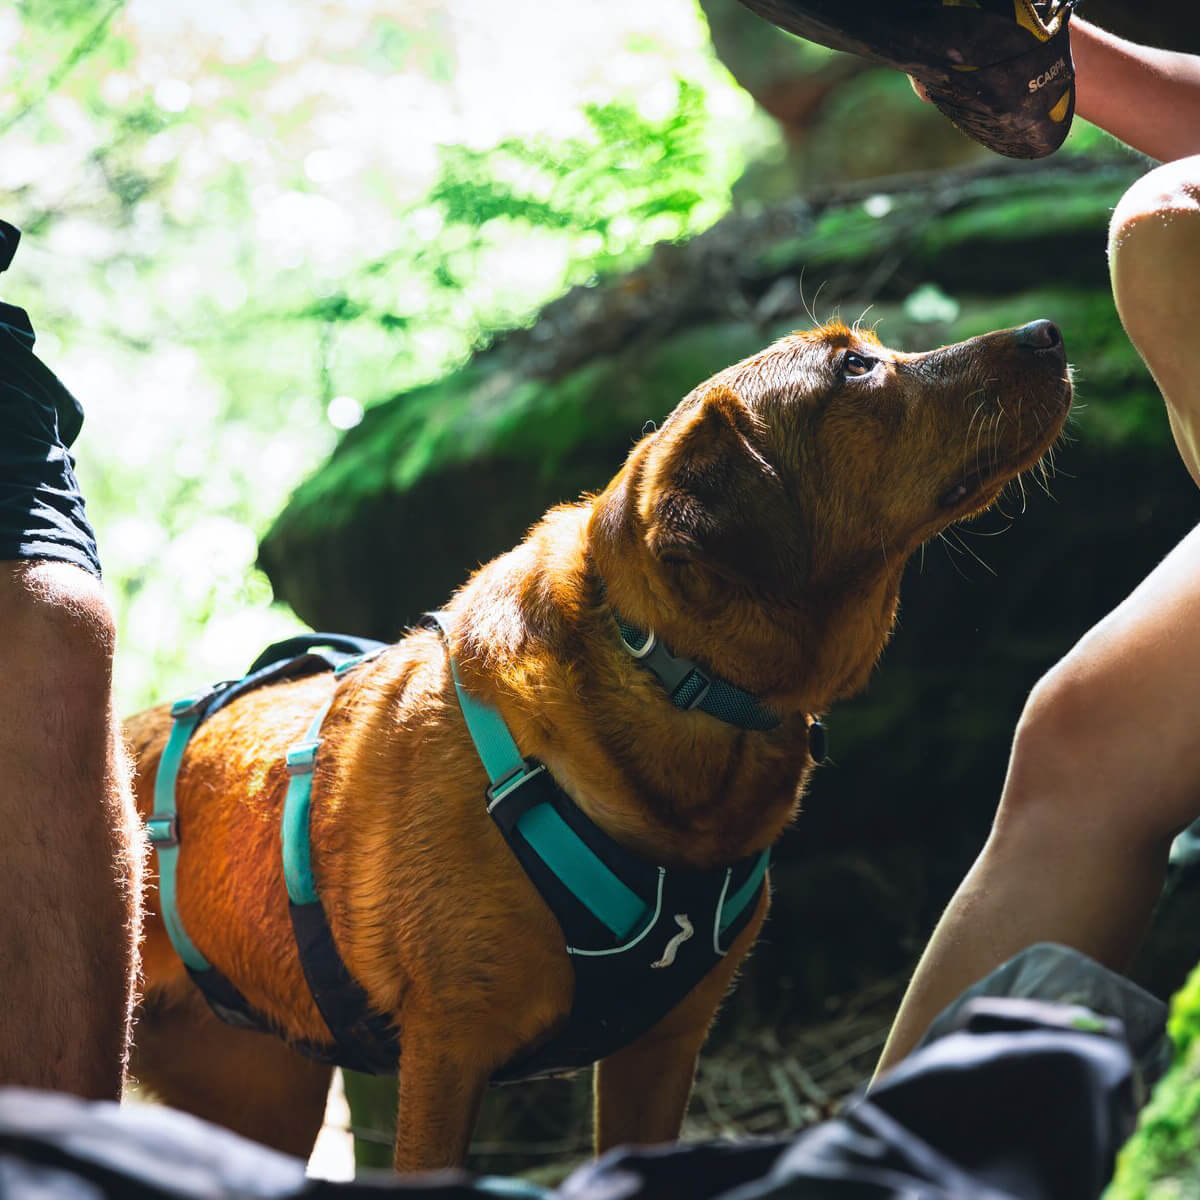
<point>1148,98</point>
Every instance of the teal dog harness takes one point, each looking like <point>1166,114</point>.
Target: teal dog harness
<point>639,936</point>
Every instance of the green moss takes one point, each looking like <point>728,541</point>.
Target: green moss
<point>1051,210</point>
<point>1162,1159</point>
<point>843,234</point>
<point>984,210</point>
<point>1184,1023</point>
<point>488,410</point>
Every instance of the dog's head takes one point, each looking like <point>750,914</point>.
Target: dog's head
<point>790,488</point>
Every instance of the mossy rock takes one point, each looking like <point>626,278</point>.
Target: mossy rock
<point>1162,1159</point>
<point>444,477</point>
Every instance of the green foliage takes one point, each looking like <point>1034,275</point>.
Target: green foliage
<point>1162,1159</point>
<point>579,206</point>
<point>234,232</point>
<point>1184,1022</point>
<point>628,178</point>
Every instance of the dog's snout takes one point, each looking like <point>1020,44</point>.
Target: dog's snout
<point>1039,335</point>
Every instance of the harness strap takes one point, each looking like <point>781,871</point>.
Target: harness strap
<point>163,827</point>
<point>364,1039</point>
<point>606,896</point>
<point>301,758</point>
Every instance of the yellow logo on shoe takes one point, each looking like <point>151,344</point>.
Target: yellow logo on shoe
<point>1058,113</point>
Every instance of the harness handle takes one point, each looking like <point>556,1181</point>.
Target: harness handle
<point>293,646</point>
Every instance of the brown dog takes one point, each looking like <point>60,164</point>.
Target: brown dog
<point>761,531</point>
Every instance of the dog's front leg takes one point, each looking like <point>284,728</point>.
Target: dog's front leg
<point>641,1092</point>
<point>439,1095</point>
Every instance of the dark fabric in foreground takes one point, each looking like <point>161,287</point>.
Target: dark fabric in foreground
<point>41,507</point>
<point>1021,1100</point>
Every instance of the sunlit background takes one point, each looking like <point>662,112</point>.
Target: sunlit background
<point>240,231</point>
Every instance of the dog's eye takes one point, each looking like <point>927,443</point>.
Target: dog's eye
<point>855,364</point>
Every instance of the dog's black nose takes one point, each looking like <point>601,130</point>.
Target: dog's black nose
<point>1038,335</point>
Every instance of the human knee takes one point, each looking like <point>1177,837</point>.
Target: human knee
<point>1168,195</point>
<point>57,624</point>
<point>1075,762</point>
<point>1154,232</point>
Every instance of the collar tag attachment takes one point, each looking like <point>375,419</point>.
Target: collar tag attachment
<point>818,742</point>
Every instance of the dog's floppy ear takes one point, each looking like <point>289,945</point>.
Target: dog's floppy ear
<point>712,499</point>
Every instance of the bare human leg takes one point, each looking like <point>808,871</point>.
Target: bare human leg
<point>71,855</point>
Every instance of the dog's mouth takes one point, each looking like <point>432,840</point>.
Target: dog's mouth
<point>976,488</point>
<point>963,491</point>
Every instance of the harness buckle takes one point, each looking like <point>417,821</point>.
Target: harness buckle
<point>698,698</point>
<point>505,787</point>
<point>301,757</point>
<point>163,830</point>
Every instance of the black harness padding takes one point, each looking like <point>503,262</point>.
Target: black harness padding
<point>622,990</point>
<point>364,1039</point>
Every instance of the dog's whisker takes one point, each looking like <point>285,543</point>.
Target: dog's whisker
<point>987,532</point>
<point>971,422</point>
<point>950,547</point>
<point>967,550</point>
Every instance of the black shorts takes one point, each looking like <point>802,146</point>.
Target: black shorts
<point>41,508</point>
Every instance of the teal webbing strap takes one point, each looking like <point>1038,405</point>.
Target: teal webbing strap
<point>566,854</point>
<point>294,829</point>
<point>497,751</point>
<point>519,1189</point>
<point>553,840</point>
<point>738,901</point>
<point>162,829</point>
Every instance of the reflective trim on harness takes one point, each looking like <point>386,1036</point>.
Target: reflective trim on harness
<point>293,828</point>
<point>730,908</point>
<point>646,926</point>
<point>162,827</point>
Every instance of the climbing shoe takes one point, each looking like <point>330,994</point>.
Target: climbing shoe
<point>999,69</point>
